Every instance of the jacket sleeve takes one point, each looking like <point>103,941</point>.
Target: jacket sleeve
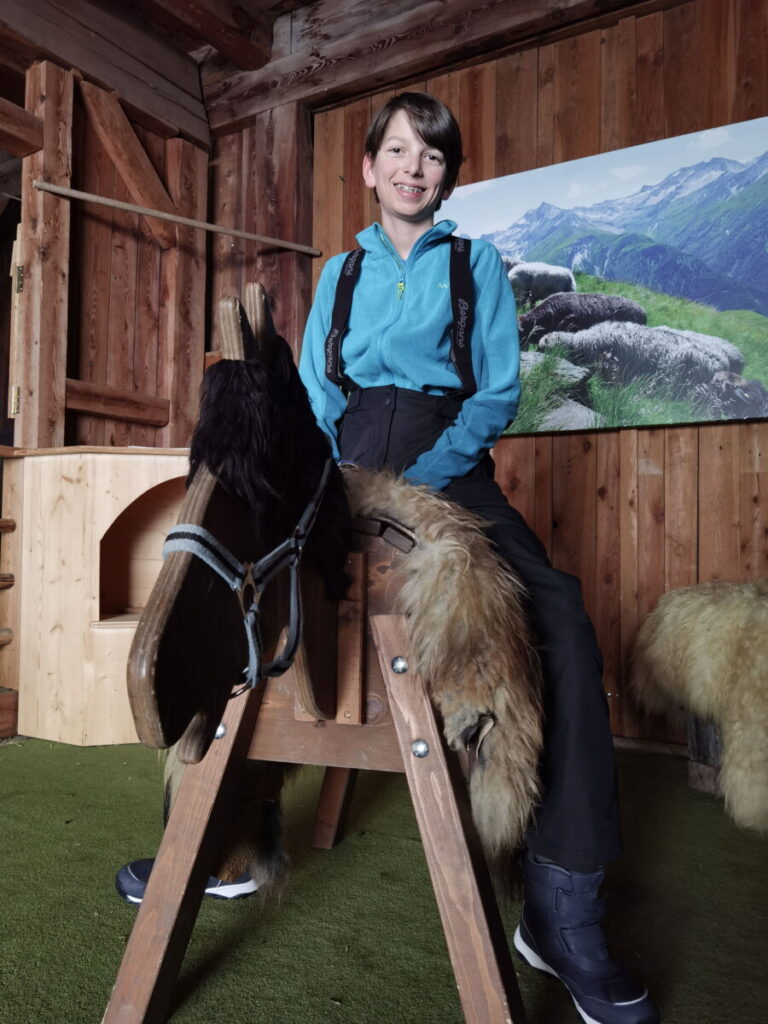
<point>326,398</point>
<point>496,361</point>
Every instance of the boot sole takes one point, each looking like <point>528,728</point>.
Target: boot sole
<point>532,958</point>
<point>230,892</point>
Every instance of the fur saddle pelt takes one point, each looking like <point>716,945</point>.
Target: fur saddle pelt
<point>705,648</point>
<point>472,646</point>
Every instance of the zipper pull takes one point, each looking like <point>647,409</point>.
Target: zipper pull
<point>400,289</point>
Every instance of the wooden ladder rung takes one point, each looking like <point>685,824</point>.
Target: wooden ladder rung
<point>7,525</point>
<point>7,580</point>
<point>6,636</point>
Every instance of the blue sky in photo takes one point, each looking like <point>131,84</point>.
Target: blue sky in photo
<point>494,204</point>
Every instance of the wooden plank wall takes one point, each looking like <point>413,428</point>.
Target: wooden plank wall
<point>633,513</point>
<point>261,182</point>
<point>136,312</point>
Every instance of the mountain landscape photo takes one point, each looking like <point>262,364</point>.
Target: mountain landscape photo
<point>641,279</point>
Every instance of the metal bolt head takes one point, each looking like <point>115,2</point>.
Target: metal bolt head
<point>419,748</point>
<point>221,731</point>
<point>399,665</point>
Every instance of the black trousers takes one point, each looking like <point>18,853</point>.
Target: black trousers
<point>577,823</point>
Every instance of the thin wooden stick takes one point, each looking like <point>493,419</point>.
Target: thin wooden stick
<point>117,204</point>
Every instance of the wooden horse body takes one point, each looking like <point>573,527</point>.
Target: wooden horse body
<point>357,701</point>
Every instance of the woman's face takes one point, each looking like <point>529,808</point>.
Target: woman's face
<point>407,174</point>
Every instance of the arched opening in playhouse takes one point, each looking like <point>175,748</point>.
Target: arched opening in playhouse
<point>130,552</point>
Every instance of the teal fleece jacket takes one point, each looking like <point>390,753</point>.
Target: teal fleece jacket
<point>399,333</point>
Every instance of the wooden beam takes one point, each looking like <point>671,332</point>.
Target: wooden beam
<point>21,133</point>
<point>244,38</point>
<point>428,36</point>
<point>130,159</point>
<point>151,76</point>
<point>40,370</point>
<point>132,406</point>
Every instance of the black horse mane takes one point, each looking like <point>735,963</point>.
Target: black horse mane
<point>258,436</point>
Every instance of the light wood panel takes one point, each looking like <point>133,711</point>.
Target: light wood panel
<point>633,512</point>
<point>86,552</point>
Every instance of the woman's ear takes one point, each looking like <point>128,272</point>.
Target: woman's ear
<point>368,175</point>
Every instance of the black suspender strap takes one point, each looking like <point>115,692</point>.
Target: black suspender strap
<point>462,306</point>
<point>342,304</point>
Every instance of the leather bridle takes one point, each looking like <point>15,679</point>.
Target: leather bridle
<point>249,580</point>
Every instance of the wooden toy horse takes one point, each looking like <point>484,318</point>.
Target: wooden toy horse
<point>260,496</point>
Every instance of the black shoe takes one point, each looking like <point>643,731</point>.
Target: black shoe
<point>131,883</point>
<point>560,932</point>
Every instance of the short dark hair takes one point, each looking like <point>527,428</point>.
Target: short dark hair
<point>431,119</point>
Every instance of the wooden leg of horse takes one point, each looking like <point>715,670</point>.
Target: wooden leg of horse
<point>332,806</point>
<point>473,929</point>
<point>152,959</point>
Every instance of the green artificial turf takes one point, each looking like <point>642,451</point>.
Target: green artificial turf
<point>355,937</point>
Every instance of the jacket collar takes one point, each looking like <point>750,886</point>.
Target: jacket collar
<point>375,240</point>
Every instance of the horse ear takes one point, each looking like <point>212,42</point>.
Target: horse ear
<point>247,333</point>
<point>231,317</point>
<point>260,317</point>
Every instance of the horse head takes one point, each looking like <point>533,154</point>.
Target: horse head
<point>258,436</point>
<point>257,463</point>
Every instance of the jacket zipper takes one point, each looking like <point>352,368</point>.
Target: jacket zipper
<point>400,266</point>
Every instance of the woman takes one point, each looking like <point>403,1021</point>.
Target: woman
<point>400,373</point>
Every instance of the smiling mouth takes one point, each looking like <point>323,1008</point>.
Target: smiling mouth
<point>410,190</point>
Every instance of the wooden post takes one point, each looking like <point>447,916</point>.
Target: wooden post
<point>40,372</point>
<point>332,806</point>
<point>158,941</point>
<point>472,924</point>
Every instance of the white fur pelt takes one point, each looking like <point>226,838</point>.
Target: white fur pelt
<point>470,639</point>
<point>705,647</point>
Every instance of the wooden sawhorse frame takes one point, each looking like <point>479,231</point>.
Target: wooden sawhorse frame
<point>265,727</point>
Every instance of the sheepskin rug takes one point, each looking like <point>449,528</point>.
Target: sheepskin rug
<point>705,648</point>
<point>472,647</point>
